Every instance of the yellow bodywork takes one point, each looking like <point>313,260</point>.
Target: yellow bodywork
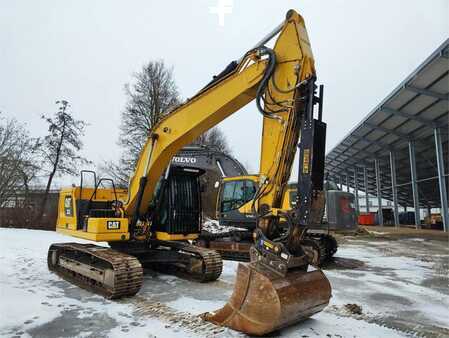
<point>287,203</point>
<point>245,208</point>
<point>210,106</point>
<point>164,236</point>
<point>280,138</point>
<point>97,228</point>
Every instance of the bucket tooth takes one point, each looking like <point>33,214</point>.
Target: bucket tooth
<point>264,301</point>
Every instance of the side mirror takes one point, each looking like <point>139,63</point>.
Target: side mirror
<point>217,184</point>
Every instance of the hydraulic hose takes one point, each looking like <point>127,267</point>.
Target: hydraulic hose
<point>263,50</point>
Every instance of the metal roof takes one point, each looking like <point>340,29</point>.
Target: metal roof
<point>411,112</point>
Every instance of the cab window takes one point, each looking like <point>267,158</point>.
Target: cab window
<point>68,206</point>
<point>237,193</point>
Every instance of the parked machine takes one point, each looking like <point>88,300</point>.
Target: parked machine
<point>162,210</point>
<point>216,165</point>
<point>234,212</point>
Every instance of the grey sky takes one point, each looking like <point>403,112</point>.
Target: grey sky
<point>85,51</point>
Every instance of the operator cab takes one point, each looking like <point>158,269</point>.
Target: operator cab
<point>235,195</point>
<point>234,201</point>
<point>177,205</point>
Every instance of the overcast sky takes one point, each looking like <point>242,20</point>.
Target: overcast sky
<point>85,51</point>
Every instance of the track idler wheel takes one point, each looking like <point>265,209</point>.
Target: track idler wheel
<point>264,301</point>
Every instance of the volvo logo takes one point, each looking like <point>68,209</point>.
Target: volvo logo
<point>190,160</point>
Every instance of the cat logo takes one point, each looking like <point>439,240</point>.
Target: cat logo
<point>113,225</point>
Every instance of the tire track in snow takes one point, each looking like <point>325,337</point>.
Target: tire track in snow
<point>177,319</point>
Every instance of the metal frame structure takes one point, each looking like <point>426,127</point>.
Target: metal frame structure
<point>402,144</point>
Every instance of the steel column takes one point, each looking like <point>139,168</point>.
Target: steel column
<point>365,183</point>
<point>379,192</point>
<point>347,181</point>
<point>394,189</point>
<point>414,174</point>
<point>441,177</point>
<point>341,183</point>
<point>356,191</point>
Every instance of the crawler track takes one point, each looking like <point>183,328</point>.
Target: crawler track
<point>107,272</point>
<point>212,264</point>
<point>179,258</point>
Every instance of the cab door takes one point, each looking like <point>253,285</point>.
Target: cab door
<point>233,196</point>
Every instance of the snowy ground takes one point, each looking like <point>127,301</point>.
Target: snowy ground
<point>401,286</point>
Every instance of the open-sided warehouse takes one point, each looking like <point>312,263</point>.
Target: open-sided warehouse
<point>399,151</point>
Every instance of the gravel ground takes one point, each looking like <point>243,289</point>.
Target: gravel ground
<point>381,288</point>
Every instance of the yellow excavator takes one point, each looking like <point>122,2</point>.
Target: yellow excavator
<point>161,213</point>
<point>237,221</point>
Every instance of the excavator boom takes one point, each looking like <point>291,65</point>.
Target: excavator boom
<point>255,75</point>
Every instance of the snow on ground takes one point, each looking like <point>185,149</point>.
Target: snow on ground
<point>400,285</point>
<point>212,226</point>
<point>392,284</point>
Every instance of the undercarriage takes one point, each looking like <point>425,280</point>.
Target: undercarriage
<point>118,271</point>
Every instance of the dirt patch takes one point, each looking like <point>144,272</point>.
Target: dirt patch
<point>354,309</point>
<point>393,232</point>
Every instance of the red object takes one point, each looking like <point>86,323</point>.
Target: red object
<point>345,205</point>
<point>367,218</point>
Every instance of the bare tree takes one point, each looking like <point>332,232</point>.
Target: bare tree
<point>215,139</point>
<point>151,96</point>
<point>60,148</point>
<point>118,172</point>
<point>18,165</point>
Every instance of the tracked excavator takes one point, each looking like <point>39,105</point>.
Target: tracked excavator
<point>161,211</point>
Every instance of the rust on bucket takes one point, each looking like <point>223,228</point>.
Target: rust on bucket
<point>264,301</point>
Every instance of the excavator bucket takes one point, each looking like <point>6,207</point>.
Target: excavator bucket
<point>264,301</point>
